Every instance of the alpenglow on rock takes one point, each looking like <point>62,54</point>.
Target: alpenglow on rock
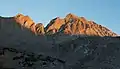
<point>27,22</point>
<point>75,25</point>
<point>71,25</point>
<point>39,29</point>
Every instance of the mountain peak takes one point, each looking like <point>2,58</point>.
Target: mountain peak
<point>75,25</point>
<point>19,15</point>
<point>71,24</point>
<point>70,14</point>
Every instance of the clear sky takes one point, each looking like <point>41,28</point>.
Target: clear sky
<point>104,12</point>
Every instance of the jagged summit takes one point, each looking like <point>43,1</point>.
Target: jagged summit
<point>19,15</point>
<point>75,25</point>
<point>70,15</point>
<point>71,24</point>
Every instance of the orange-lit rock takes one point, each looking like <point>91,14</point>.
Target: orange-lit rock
<point>25,21</point>
<point>75,25</point>
<point>39,29</point>
<point>55,24</point>
<point>71,24</point>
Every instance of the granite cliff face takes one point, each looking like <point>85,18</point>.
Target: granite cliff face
<point>39,29</point>
<point>75,25</point>
<point>71,24</point>
<point>55,25</point>
<point>27,22</point>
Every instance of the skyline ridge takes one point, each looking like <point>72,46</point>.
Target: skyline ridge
<point>70,24</point>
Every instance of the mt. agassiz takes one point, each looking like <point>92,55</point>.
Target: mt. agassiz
<point>65,43</point>
<point>71,24</point>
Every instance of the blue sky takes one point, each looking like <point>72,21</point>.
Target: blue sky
<point>104,12</point>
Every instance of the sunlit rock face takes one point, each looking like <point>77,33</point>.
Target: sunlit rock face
<point>55,25</point>
<point>71,24</point>
<point>39,29</point>
<point>75,25</point>
<point>25,21</point>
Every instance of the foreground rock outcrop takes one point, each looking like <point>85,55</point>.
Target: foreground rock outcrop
<point>80,53</point>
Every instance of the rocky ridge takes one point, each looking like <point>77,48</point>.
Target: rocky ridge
<point>75,25</point>
<point>27,22</point>
<point>71,24</point>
